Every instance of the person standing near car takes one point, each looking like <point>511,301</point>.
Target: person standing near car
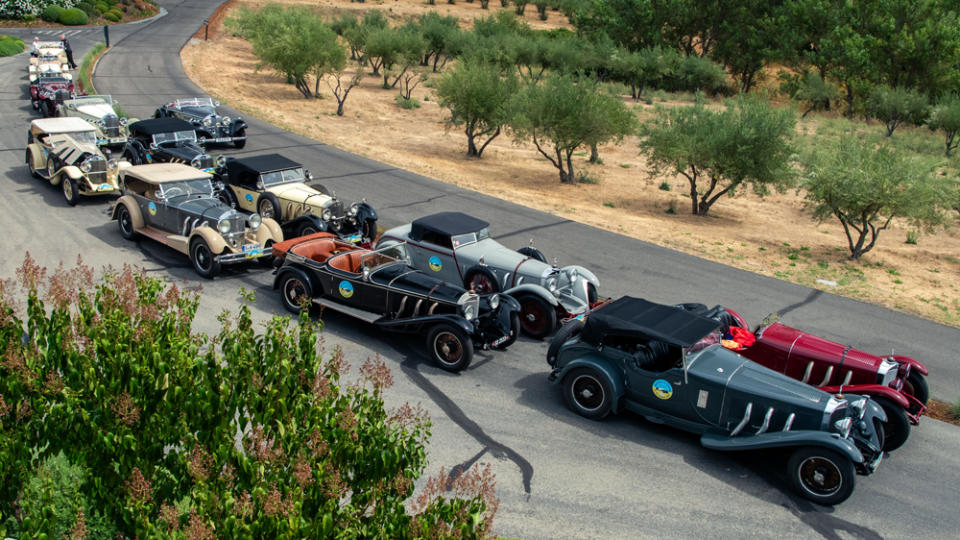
<point>35,47</point>
<point>68,50</point>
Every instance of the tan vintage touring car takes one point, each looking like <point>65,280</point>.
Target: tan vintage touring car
<point>64,151</point>
<point>174,204</point>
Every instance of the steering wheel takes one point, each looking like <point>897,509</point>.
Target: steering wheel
<point>173,191</point>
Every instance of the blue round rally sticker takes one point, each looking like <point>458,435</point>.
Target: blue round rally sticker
<point>435,263</point>
<point>248,197</point>
<point>662,389</point>
<point>346,289</point>
<point>152,208</point>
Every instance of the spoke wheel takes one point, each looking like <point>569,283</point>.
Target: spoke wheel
<point>51,168</point>
<point>537,318</point>
<point>821,475</point>
<point>450,347</point>
<point>69,186</point>
<point>306,229</point>
<point>294,293</point>
<point>203,259</point>
<point>588,393</point>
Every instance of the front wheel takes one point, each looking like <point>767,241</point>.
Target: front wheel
<point>821,475</point>
<point>240,143</point>
<point>896,429</point>
<point>369,229</point>
<point>294,293</point>
<point>70,193</point>
<point>538,319</point>
<point>203,259</point>
<point>47,109</point>
<point>917,387</point>
<point>450,347</point>
<point>588,393</point>
<point>33,171</point>
<point>125,222</point>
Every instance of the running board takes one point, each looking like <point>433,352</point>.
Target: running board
<point>347,310</point>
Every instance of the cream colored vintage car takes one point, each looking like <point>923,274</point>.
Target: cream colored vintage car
<point>50,52</point>
<point>174,204</point>
<point>64,151</point>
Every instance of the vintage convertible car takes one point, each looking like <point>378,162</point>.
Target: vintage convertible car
<point>210,126</point>
<point>174,204</point>
<point>49,86</point>
<point>112,130</point>
<point>895,382</point>
<point>457,247</point>
<point>667,364</point>
<point>277,187</point>
<point>378,287</point>
<point>165,140</point>
<point>64,151</point>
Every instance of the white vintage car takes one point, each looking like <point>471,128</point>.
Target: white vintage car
<point>99,111</point>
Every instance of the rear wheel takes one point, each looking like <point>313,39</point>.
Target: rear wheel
<point>537,318</point>
<point>450,347</point>
<point>896,429</point>
<point>125,221</point>
<point>563,335</point>
<point>203,259</point>
<point>588,393</point>
<point>69,186</point>
<point>821,475</point>
<point>294,293</point>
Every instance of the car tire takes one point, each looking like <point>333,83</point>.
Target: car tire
<point>292,288</point>
<point>564,334</point>
<point>306,229</point>
<point>203,258</point>
<point>52,168</point>
<point>917,387</point>
<point>896,429</point>
<point>46,109</point>
<point>369,229</point>
<point>29,159</point>
<point>242,142</point>
<point>538,319</point>
<point>449,347</point>
<point>227,197</point>
<point>268,206</point>
<point>588,393</point>
<point>131,156</point>
<point>158,114</point>
<point>481,281</point>
<point>69,187</point>
<point>514,332</point>
<point>125,222</point>
<point>821,475</point>
<point>533,253</point>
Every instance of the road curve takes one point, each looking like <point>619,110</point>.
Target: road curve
<point>558,475</point>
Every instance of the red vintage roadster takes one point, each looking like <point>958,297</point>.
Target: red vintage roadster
<point>896,383</point>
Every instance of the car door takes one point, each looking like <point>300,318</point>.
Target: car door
<point>434,256</point>
<point>245,190</point>
<point>652,383</point>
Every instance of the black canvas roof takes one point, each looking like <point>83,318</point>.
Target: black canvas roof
<point>447,223</point>
<point>153,126</point>
<point>260,164</point>
<point>636,316</point>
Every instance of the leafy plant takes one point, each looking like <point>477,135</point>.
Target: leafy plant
<point>73,17</point>
<point>246,433</point>
<point>10,45</point>
<point>407,103</point>
<point>86,67</point>
<point>945,117</point>
<point>896,106</point>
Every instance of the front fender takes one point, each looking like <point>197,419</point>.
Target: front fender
<point>213,238</point>
<point>269,230</point>
<point>73,172</point>
<point>36,154</point>
<point>365,212</point>
<point>237,126</point>
<point>588,275</point>
<point>536,290</point>
<point>136,218</point>
<point>783,439</point>
<point>613,376</point>
<point>871,390</point>
<point>914,364</point>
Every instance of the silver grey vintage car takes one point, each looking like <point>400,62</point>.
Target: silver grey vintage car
<point>668,365</point>
<point>458,248</point>
<point>99,111</point>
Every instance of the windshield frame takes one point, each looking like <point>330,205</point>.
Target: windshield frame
<point>190,186</point>
<point>385,256</point>
<point>177,136</point>
<point>281,177</point>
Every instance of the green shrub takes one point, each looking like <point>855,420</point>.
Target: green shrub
<point>87,8</point>
<point>955,410</point>
<point>405,103</point>
<point>101,7</point>
<point>51,13</point>
<point>86,66</point>
<point>73,17</point>
<point>113,15</point>
<point>10,45</point>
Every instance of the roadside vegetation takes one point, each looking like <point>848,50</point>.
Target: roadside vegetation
<point>85,73</point>
<point>117,420</point>
<point>10,45</point>
<point>75,12</point>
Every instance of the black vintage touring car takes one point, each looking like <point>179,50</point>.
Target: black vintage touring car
<point>165,140</point>
<point>211,127</point>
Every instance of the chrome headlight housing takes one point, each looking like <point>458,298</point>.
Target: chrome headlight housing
<point>860,405</point>
<point>208,121</point>
<point>469,304</point>
<point>843,426</point>
<point>254,221</point>
<point>112,164</point>
<point>223,226</point>
<point>122,121</point>
<point>551,285</point>
<point>494,301</point>
<point>85,166</point>
<point>327,215</point>
<point>887,371</point>
<point>196,162</point>
<point>354,208</point>
<point>225,121</point>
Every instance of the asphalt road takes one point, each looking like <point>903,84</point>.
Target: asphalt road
<point>559,476</point>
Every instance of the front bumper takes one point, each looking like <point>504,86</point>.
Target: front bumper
<point>245,254</point>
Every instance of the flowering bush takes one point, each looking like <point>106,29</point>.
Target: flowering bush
<point>239,435</point>
<point>15,9</point>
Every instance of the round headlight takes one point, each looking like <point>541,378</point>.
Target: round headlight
<point>494,301</point>
<point>225,120</point>
<point>254,221</point>
<point>195,162</point>
<point>113,164</point>
<point>123,121</point>
<point>326,215</point>
<point>85,166</point>
<point>353,209</point>
<point>223,226</point>
<point>574,274</point>
<point>552,284</point>
<point>207,121</point>
<point>469,312</point>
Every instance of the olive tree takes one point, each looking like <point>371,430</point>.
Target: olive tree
<point>896,106</point>
<point>865,188</point>
<point>562,114</point>
<point>748,142</point>
<point>477,94</point>
<point>945,117</point>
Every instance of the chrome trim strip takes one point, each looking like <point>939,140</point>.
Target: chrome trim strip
<point>806,374</point>
<point>743,422</point>
<point>766,421</point>
<point>789,423</point>
<point>826,376</point>
<point>846,379</point>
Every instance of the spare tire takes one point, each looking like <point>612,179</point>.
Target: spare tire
<point>565,332</point>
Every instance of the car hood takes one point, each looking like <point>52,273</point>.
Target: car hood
<point>207,207</point>
<point>803,347</point>
<point>96,110</point>
<point>402,277</point>
<point>301,193</point>
<point>184,151</point>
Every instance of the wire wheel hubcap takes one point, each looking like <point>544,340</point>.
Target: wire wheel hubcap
<point>588,392</point>
<point>820,476</point>
<point>448,347</point>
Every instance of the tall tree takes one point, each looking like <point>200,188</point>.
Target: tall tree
<point>945,117</point>
<point>896,106</point>
<point>718,151</point>
<point>477,94</point>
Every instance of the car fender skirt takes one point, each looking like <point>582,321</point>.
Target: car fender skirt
<point>409,324</point>
<point>870,390</point>
<point>269,230</point>
<point>588,275</point>
<point>613,375</point>
<point>914,364</point>
<point>782,439</point>
<point>537,290</point>
<point>214,240</point>
<point>293,270</point>
<point>135,216</point>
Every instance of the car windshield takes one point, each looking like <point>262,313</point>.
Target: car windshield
<point>92,100</point>
<point>194,102</point>
<point>387,255</point>
<point>198,186</point>
<point>53,78</point>
<point>690,353</point>
<point>288,176</point>
<point>460,240</point>
<point>84,136</point>
<point>174,137</point>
